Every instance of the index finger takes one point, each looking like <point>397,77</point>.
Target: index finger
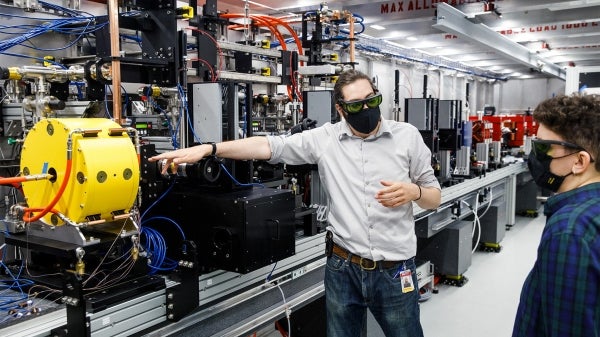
<point>160,156</point>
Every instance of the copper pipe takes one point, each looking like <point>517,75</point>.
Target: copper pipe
<point>115,51</point>
<point>121,216</point>
<point>351,19</point>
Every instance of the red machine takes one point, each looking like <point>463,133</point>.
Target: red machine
<point>516,127</point>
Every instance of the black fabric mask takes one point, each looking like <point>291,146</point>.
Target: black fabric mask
<point>540,171</point>
<point>364,121</point>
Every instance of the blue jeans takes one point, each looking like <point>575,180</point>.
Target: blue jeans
<point>350,290</point>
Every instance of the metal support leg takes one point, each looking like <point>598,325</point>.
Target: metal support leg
<point>511,190</point>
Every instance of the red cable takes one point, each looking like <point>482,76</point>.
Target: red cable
<point>280,329</point>
<point>213,76</point>
<point>221,59</point>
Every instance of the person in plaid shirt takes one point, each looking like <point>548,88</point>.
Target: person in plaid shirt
<point>560,296</point>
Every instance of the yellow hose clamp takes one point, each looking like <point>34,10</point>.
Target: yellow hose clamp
<point>14,74</point>
<point>135,253</point>
<point>48,60</point>
<point>186,12</point>
<point>262,99</point>
<point>80,268</point>
<point>155,91</point>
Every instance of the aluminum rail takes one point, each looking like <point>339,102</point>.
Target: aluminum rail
<point>471,185</point>
<point>452,20</point>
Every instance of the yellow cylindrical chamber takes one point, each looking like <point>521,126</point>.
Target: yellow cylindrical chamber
<point>105,171</point>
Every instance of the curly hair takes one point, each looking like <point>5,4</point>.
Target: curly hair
<point>576,118</point>
<point>348,77</point>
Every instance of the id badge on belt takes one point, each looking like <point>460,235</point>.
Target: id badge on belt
<point>405,277</point>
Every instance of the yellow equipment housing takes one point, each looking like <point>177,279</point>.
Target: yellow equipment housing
<point>105,173</point>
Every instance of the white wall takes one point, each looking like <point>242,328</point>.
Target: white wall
<point>518,95</point>
<point>513,96</point>
<point>441,84</point>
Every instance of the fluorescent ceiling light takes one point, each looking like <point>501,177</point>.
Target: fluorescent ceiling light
<point>299,4</point>
<point>378,27</point>
<point>261,5</point>
<point>411,38</point>
<point>282,9</point>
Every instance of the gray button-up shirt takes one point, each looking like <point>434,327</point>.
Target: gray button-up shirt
<point>351,169</point>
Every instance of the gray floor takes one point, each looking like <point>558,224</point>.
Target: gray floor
<point>486,305</point>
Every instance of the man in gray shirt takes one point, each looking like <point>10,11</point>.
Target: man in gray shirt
<point>372,169</point>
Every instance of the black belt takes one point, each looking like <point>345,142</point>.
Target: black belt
<point>365,264</point>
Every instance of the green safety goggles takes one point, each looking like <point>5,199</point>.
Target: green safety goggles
<point>541,147</point>
<point>353,107</point>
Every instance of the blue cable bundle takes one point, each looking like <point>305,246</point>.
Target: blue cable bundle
<point>12,296</point>
<point>154,243</point>
<point>77,23</point>
<point>61,9</point>
<point>156,247</point>
<point>79,26</point>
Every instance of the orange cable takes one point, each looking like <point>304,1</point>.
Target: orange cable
<point>261,21</point>
<point>271,28</point>
<point>289,28</point>
<point>298,45</point>
<point>12,180</point>
<point>57,197</point>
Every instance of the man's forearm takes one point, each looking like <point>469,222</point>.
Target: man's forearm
<point>247,148</point>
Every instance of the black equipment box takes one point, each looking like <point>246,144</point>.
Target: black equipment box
<point>238,231</point>
<point>449,250</point>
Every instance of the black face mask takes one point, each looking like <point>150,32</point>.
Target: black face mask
<point>539,166</point>
<point>364,121</point>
